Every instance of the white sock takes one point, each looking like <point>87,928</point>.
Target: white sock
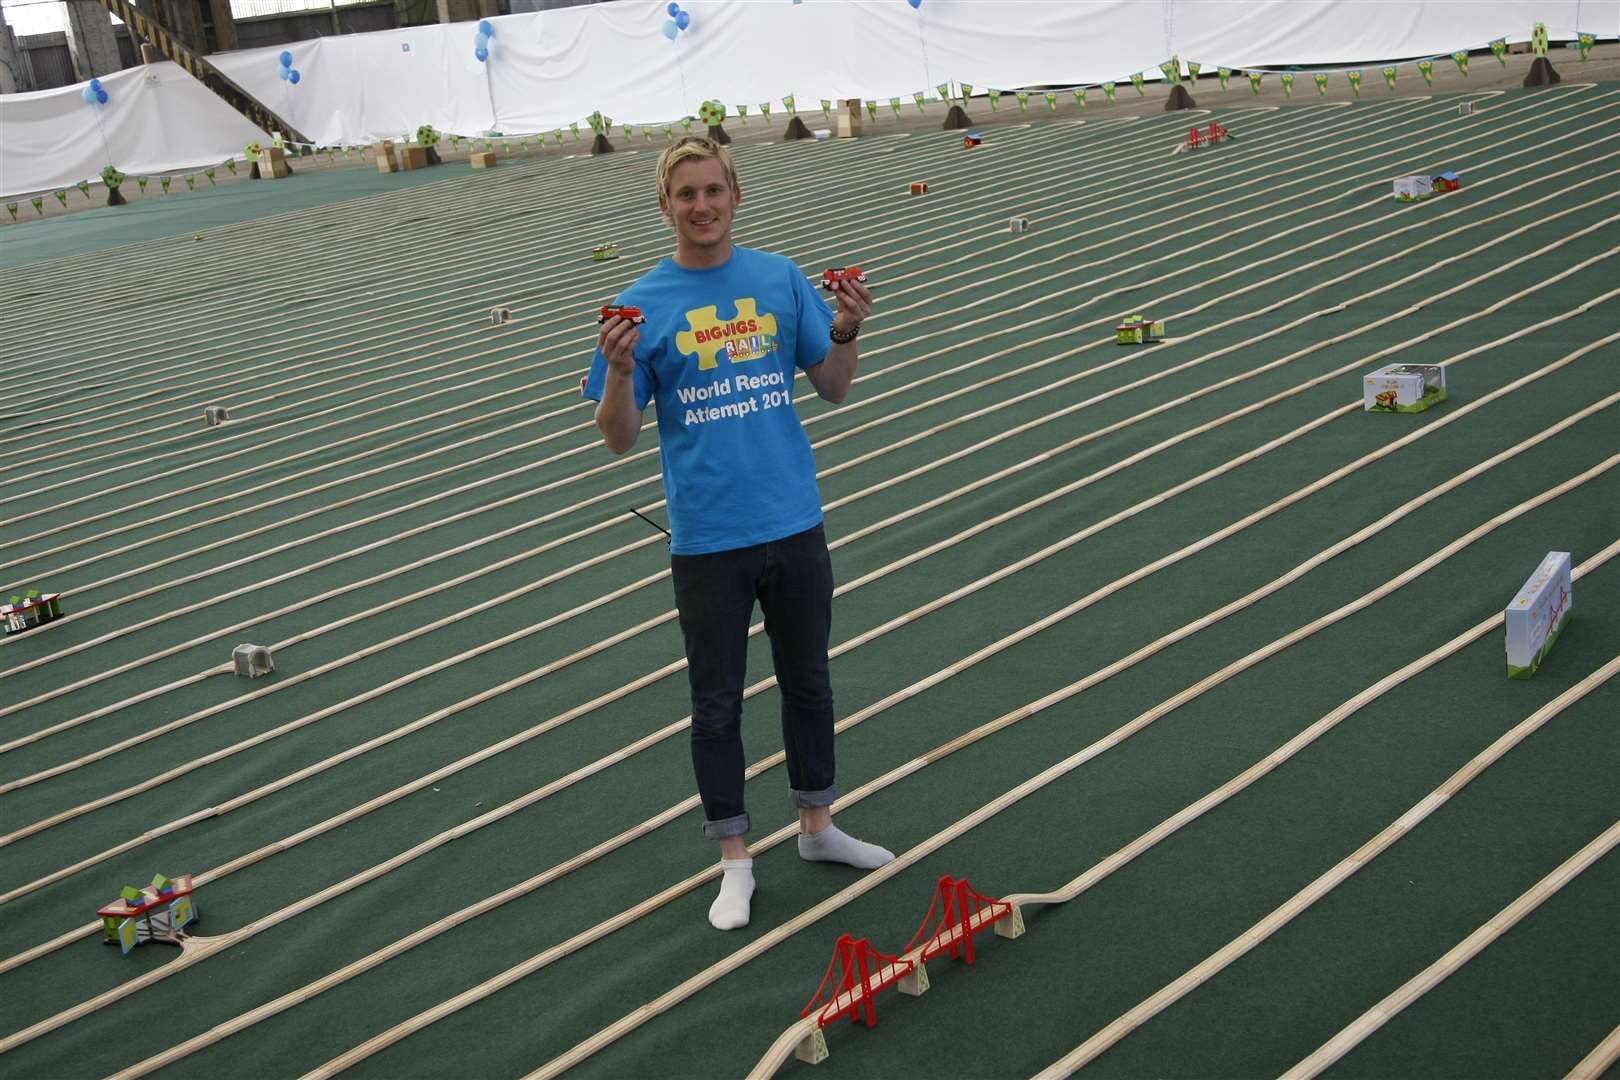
<point>833,845</point>
<point>730,909</point>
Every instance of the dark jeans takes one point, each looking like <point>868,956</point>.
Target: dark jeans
<point>715,593</point>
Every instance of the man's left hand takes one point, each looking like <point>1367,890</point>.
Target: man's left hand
<point>854,304</point>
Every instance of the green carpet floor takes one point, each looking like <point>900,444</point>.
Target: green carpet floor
<point>478,679</point>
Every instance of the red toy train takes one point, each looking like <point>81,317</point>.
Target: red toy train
<point>841,273</point>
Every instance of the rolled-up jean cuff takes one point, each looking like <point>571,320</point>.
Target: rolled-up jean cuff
<point>824,797</point>
<point>725,827</point>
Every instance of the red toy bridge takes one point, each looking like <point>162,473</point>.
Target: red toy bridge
<point>1208,137</point>
<point>858,971</point>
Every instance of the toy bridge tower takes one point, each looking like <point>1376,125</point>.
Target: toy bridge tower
<point>957,913</point>
<point>142,25</point>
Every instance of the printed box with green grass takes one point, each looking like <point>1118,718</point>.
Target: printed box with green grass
<point>1404,388</point>
<point>1537,615</point>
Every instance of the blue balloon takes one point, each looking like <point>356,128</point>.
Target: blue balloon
<point>284,72</point>
<point>286,59</point>
<point>683,20</point>
<point>914,3</point>
<point>95,84</point>
<point>674,9</point>
<point>670,29</point>
<point>292,76</point>
<point>486,28</point>
<point>482,54</point>
<point>89,96</point>
<point>101,97</point>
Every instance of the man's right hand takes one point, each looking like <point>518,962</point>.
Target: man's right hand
<point>617,339</point>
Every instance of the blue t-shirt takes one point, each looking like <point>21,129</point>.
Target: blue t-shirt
<point>717,356</point>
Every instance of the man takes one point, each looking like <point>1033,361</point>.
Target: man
<point>726,330</point>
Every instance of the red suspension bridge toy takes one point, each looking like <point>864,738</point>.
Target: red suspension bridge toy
<point>859,971</point>
<point>1207,137</point>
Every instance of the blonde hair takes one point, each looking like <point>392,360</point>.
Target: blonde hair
<point>692,148</point>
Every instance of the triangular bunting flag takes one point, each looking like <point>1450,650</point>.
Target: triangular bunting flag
<point>164,181</point>
<point>1355,80</point>
<point>1136,81</point>
<point>765,110</point>
<point>1023,100</point>
<point>918,98</point>
<point>871,110</point>
<point>1108,88</point>
<point>1080,95</point>
<point>230,163</point>
<point>574,128</point>
<point>791,105</point>
<point>1193,70</point>
<point>142,181</point>
<point>1051,101</point>
<point>742,113</point>
<point>84,188</point>
<point>894,103</point>
<point>1287,80</point>
<point>1171,70</point>
<point>1499,50</point>
<point>1321,82</point>
<point>1461,59</point>
<point>967,91</point>
<point>11,208</point>
<point>209,172</point>
<point>1224,74</point>
<point>1426,69</point>
<point>191,182</point>
<point>1254,80</point>
<point>1585,43</point>
<point>1389,75</point>
<point>39,204</point>
<point>826,108</point>
<point>995,99</point>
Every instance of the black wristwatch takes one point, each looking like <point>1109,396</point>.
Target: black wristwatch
<point>843,339</point>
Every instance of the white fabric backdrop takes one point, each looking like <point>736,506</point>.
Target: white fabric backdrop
<point>157,119</point>
<point>552,68</point>
<point>548,69</point>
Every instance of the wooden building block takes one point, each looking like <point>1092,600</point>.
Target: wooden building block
<point>272,163</point>
<point>812,1049</point>
<point>849,118</point>
<point>413,157</point>
<point>484,159</point>
<point>386,162</point>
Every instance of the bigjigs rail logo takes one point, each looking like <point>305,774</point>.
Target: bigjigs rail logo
<point>747,336</point>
